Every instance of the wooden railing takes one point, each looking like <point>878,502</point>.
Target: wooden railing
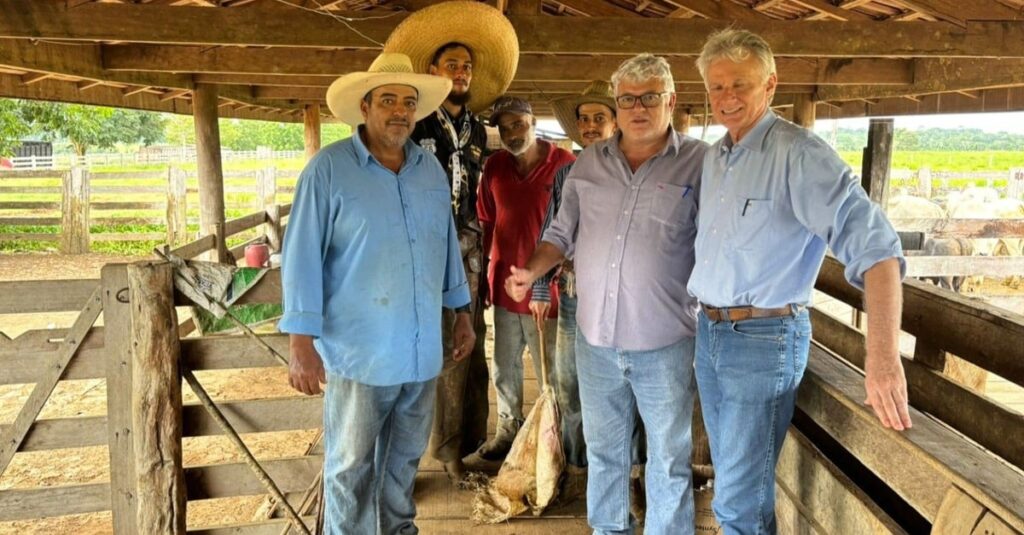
<point>157,198</point>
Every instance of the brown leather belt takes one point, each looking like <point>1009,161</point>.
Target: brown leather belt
<point>746,313</point>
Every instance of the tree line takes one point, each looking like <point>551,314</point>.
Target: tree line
<point>933,139</point>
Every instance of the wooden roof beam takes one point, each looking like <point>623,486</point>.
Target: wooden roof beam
<point>959,13</point>
<point>135,91</point>
<point>935,10</point>
<point>827,8</point>
<point>260,26</point>
<point>88,84</point>
<point>31,78</point>
<point>939,76</point>
<point>599,8</point>
<point>101,95</point>
<point>710,9</point>
<point>240,62</point>
<point>175,93</point>
<point>765,5</point>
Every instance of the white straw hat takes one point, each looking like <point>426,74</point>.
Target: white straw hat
<point>345,94</point>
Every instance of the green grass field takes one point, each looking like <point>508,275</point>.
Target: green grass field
<point>242,203</point>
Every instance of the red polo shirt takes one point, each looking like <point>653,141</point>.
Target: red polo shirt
<point>511,209</point>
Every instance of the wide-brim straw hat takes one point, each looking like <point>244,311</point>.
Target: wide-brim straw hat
<point>489,35</point>
<point>598,92</point>
<point>345,94</point>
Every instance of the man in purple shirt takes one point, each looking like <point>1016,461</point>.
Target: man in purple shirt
<point>629,208</point>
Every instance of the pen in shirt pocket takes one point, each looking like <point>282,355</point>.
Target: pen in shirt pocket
<point>687,190</point>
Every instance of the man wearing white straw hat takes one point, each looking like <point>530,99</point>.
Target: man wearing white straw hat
<point>586,119</point>
<point>473,45</point>
<point>370,257</point>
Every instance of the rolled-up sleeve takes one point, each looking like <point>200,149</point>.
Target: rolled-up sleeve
<point>562,232</point>
<point>830,202</point>
<point>305,245</point>
<point>456,290</point>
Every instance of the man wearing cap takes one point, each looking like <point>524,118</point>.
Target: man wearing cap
<point>514,195</point>
<point>586,119</point>
<point>629,216</point>
<point>473,45</point>
<point>370,257</point>
<point>774,198</point>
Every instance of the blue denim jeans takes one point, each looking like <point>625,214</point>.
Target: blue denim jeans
<point>512,333</point>
<point>748,373</point>
<point>567,391</point>
<point>374,437</point>
<point>614,384</point>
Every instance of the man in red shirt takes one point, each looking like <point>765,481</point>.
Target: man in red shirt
<point>513,199</point>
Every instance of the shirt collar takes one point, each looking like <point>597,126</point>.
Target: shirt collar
<point>413,152</point>
<point>754,140</point>
<point>611,145</point>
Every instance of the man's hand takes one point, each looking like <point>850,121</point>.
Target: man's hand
<point>886,388</point>
<point>539,309</point>
<point>885,384</point>
<point>463,336</point>
<point>305,368</point>
<point>518,283</point>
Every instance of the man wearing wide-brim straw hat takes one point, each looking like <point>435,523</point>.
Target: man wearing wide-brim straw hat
<point>473,45</point>
<point>370,257</point>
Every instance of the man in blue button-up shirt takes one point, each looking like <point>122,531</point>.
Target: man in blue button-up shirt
<point>773,198</point>
<point>370,257</point>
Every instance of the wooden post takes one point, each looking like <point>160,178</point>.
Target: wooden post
<point>803,111</point>
<point>211,174</point>
<point>1015,185</point>
<point>924,182</point>
<point>74,206</point>
<point>273,227</point>
<point>266,186</point>
<point>311,123</point>
<point>681,120</point>
<point>117,345</point>
<point>156,399</point>
<point>177,220</point>
<point>877,161</point>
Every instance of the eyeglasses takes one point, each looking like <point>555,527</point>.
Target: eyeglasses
<point>649,100</point>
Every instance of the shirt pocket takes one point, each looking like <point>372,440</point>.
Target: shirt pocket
<point>432,211</point>
<point>673,205</point>
<point>752,221</point>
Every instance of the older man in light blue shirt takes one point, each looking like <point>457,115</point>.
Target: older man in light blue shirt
<point>630,209</point>
<point>370,257</point>
<point>774,197</point>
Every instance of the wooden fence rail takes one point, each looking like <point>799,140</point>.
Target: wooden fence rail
<point>81,207</point>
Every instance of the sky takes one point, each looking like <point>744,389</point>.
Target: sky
<point>990,122</point>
